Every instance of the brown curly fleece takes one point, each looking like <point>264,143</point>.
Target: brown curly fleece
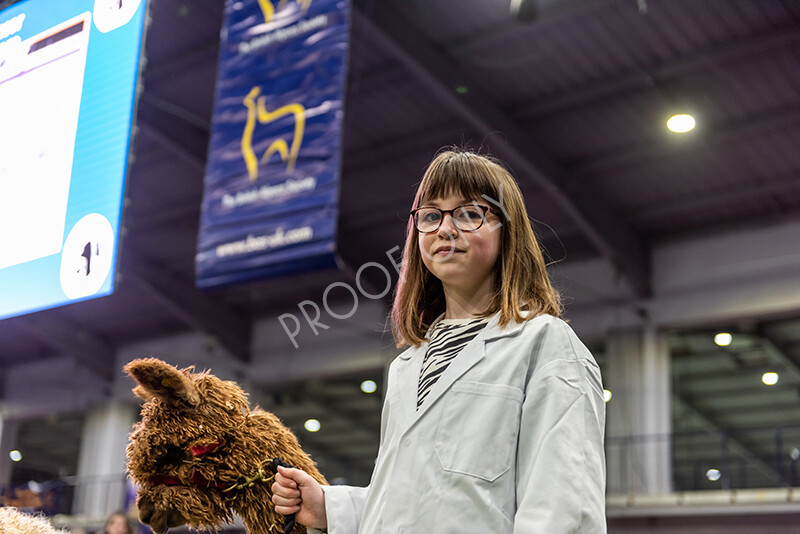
<point>12,521</point>
<point>197,439</point>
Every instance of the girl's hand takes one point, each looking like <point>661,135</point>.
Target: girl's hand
<point>295,492</point>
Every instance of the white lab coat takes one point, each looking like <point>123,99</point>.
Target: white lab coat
<point>509,440</point>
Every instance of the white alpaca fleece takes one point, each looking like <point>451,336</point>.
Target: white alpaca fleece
<point>12,521</point>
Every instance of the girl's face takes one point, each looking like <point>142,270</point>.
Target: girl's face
<point>117,525</point>
<point>463,261</point>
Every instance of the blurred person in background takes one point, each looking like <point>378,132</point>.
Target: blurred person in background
<point>117,523</point>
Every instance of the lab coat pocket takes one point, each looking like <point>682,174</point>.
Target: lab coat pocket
<point>478,432</point>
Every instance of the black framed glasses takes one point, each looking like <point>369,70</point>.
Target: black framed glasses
<point>466,218</point>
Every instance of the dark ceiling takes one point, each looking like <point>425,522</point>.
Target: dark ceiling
<point>575,101</point>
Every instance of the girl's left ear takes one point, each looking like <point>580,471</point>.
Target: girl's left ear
<point>163,381</point>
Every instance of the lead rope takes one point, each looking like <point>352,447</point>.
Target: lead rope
<point>288,520</point>
<point>260,476</point>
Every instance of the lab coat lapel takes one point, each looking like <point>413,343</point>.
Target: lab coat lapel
<point>408,371</point>
<point>411,364</point>
<point>469,356</point>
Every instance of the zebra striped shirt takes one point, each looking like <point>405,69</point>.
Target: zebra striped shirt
<point>447,338</point>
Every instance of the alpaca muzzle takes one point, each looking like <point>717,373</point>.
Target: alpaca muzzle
<point>160,521</point>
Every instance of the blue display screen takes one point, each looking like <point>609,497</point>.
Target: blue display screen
<point>68,76</point>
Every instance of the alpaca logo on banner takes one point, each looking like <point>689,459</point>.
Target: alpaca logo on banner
<point>257,113</point>
<point>269,10</point>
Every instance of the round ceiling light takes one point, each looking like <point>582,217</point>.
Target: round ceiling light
<point>770,379</point>
<point>681,123</point>
<point>312,425</point>
<point>723,339</point>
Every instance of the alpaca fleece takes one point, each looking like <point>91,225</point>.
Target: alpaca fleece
<point>197,453</point>
<point>12,521</point>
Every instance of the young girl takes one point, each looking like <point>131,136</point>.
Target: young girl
<point>494,417</point>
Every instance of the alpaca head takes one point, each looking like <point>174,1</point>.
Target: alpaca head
<point>183,453</point>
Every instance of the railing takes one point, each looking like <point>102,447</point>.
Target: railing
<point>755,457</point>
<point>742,458</point>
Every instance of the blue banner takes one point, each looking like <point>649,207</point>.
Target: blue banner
<point>270,204</point>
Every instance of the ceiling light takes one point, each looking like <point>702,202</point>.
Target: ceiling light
<point>713,475</point>
<point>369,386</point>
<point>15,456</point>
<point>770,378</point>
<point>723,339</point>
<point>606,395</point>
<point>312,425</point>
<point>681,123</point>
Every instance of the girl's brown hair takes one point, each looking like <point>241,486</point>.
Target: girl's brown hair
<point>110,519</point>
<point>521,280</point>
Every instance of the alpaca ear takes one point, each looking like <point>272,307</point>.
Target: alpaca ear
<point>142,393</point>
<point>163,381</point>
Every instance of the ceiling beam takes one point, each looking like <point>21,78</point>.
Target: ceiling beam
<point>643,153</point>
<point>706,390</point>
<point>440,74</point>
<point>737,376</point>
<point>322,452</point>
<point>499,35</point>
<point>176,129</point>
<point>389,149</point>
<point>87,349</point>
<point>194,53</point>
<point>311,403</point>
<point>772,187</point>
<point>198,53</point>
<point>761,344</point>
<point>647,78</point>
<point>328,415</point>
<point>329,405</point>
<point>365,82</point>
<point>715,429</point>
<point>777,354</point>
<point>784,409</point>
<point>178,295</point>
